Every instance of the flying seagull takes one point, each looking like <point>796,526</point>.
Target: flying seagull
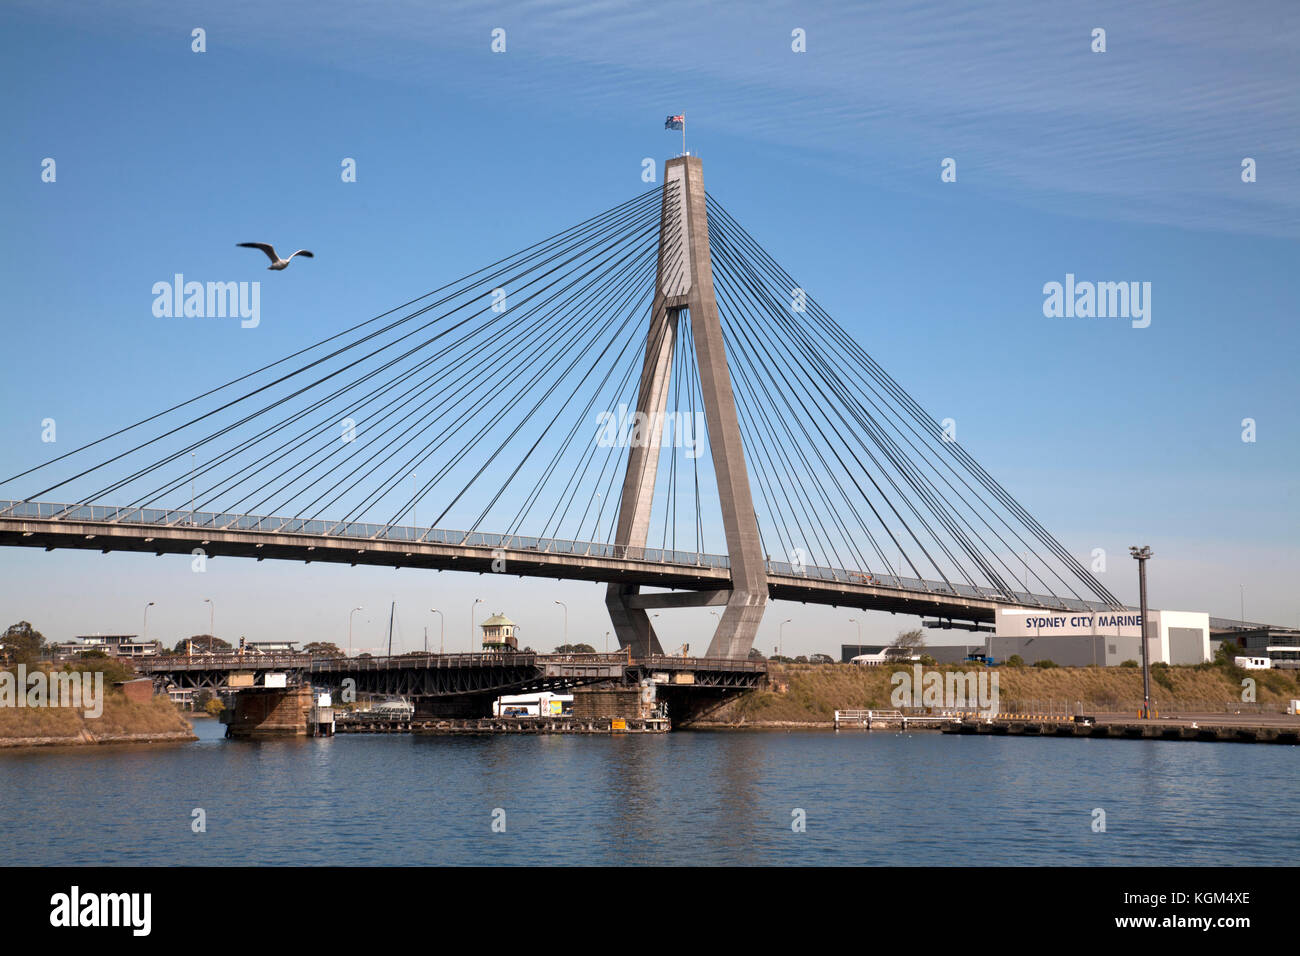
<point>276,262</point>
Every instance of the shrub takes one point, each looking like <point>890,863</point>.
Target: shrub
<point>1129,663</point>
<point>1045,664</point>
<point>1015,660</point>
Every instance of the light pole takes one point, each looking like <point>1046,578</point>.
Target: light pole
<point>212,615</point>
<point>566,621</point>
<point>1142,555</point>
<point>442,629</point>
<point>350,613</point>
<point>144,631</point>
<point>607,642</point>
<point>781,634</point>
<point>477,602</point>
<point>854,620</point>
<point>1242,588</point>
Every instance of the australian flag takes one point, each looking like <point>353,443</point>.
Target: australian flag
<point>675,122</point>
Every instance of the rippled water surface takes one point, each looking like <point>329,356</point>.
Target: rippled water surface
<point>694,798</point>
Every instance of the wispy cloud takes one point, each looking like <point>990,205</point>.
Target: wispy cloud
<point>1152,130</point>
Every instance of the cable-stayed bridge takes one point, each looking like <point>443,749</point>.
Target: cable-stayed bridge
<point>646,399</point>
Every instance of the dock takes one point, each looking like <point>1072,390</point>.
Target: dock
<point>871,719</point>
<point>1211,728</point>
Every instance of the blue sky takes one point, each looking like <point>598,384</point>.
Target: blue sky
<point>1123,165</point>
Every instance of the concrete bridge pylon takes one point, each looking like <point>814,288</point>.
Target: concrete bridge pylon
<point>684,282</point>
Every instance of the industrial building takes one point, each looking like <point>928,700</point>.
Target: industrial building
<point>1099,638</point>
<point>1280,645</point>
<point>1091,639</point>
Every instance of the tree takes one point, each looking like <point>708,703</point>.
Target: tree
<point>1015,660</point>
<point>910,639</point>
<point>214,707</point>
<point>21,643</point>
<point>203,644</point>
<point>323,649</point>
<point>1226,653</point>
<point>575,649</point>
<point>756,655</point>
<point>202,698</point>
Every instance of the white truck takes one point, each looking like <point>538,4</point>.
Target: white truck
<point>544,704</point>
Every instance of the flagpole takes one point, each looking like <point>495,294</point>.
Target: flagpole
<point>683,132</point>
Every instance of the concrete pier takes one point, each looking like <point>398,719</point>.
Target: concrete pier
<point>260,712</point>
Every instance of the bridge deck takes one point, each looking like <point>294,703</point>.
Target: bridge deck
<point>105,528</point>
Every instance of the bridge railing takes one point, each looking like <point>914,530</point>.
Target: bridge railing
<point>477,658</point>
<point>844,576</point>
<point>217,521</point>
<point>231,660</point>
<point>670,662</point>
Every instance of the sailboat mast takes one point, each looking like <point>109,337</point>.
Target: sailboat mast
<point>391,610</point>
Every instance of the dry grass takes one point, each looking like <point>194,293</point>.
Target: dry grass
<point>815,691</point>
<point>120,717</point>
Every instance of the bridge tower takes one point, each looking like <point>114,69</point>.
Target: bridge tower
<point>684,281</point>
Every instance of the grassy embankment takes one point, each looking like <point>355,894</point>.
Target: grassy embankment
<point>122,720</point>
<point>811,693</point>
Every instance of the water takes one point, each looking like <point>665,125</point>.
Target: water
<point>681,798</point>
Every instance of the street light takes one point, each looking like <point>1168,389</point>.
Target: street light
<point>350,613</point>
<point>566,621</point>
<point>212,614</point>
<point>781,633</point>
<point>607,642</point>
<point>442,628</point>
<point>477,601</point>
<point>144,631</point>
<point>1142,555</point>
<point>854,620</point>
